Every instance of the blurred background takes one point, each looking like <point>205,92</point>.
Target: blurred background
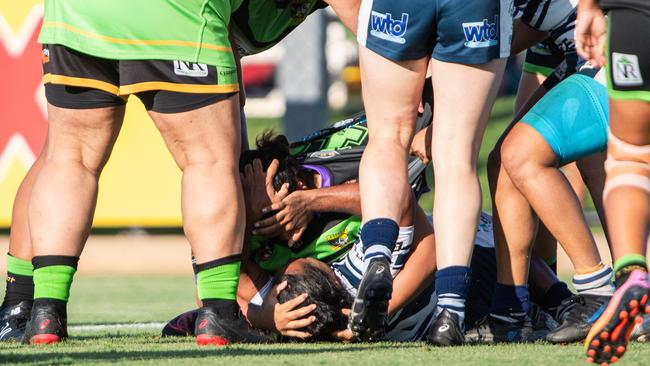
<point>310,80</point>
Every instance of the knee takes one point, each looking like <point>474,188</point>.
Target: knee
<point>395,128</point>
<point>515,163</point>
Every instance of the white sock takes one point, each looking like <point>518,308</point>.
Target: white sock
<point>598,283</point>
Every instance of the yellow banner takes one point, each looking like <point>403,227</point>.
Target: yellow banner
<point>140,185</point>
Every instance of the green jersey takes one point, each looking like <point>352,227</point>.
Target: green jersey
<point>184,30</point>
<point>258,25</point>
<point>327,239</point>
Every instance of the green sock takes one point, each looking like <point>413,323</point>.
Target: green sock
<point>218,279</point>
<point>19,266</point>
<point>53,276</point>
<point>630,260</point>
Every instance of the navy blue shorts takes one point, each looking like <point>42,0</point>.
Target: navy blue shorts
<point>460,31</point>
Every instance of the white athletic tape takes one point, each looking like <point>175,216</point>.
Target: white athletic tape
<point>626,180</point>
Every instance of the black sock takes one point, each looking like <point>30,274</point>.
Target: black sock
<point>59,305</point>
<point>555,295</point>
<point>19,288</point>
<point>224,308</point>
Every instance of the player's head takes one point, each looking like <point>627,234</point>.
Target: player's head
<point>317,280</point>
<point>270,146</point>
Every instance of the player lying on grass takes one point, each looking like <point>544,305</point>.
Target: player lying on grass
<point>346,271</point>
<point>569,123</point>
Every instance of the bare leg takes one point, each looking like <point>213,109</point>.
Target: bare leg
<point>592,170</point>
<point>575,180</point>
<point>515,225</point>
<point>531,164</point>
<point>20,243</point>
<point>64,195</point>
<point>205,144</point>
<point>628,208</point>
<point>391,116</point>
<point>456,142</point>
<point>527,86</point>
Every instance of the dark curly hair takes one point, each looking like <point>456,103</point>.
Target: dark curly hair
<point>269,146</point>
<point>328,295</point>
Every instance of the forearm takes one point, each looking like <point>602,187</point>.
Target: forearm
<point>343,198</point>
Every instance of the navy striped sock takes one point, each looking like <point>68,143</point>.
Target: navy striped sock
<point>452,285</point>
<point>510,303</point>
<point>378,237</point>
<point>598,283</point>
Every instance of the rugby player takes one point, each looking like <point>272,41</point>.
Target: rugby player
<point>466,43</point>
<point>546,63</point>
<point>190,89</point>
<point>627,189</point>
<point>256,26</point>
<point>546,137</point>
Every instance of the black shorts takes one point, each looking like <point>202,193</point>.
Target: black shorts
<point>628,63</point>
<point>79,81</point>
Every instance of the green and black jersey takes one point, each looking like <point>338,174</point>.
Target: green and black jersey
<point>258,25</point>
<point>327,238</point>
<point>185,30</point>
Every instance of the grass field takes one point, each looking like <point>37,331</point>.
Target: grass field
<point>134,306</point>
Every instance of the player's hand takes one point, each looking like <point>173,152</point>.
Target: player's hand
<point>293,214</point>
<point>421,145</point>
<point>344,335</point>
<point>591,29</point>
<point>291,317</point>
<point>258,188</point>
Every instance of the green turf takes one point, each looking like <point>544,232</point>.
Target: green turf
<point>127,299</point>
<point>151,350</point>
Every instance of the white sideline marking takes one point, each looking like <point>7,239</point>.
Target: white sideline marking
<point>124,326</point>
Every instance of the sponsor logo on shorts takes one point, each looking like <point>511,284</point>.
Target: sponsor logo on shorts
<point>481,34</point>
<point>626,70</point>
<point>227,72</point>
<point>389,29</point>
<point>191,69</point>
<point>46,55</point>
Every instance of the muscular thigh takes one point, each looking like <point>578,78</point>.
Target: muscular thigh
<point>391,95</point>
<point>83,135</point>
<point>462,112</point>
<point>208,134</point>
